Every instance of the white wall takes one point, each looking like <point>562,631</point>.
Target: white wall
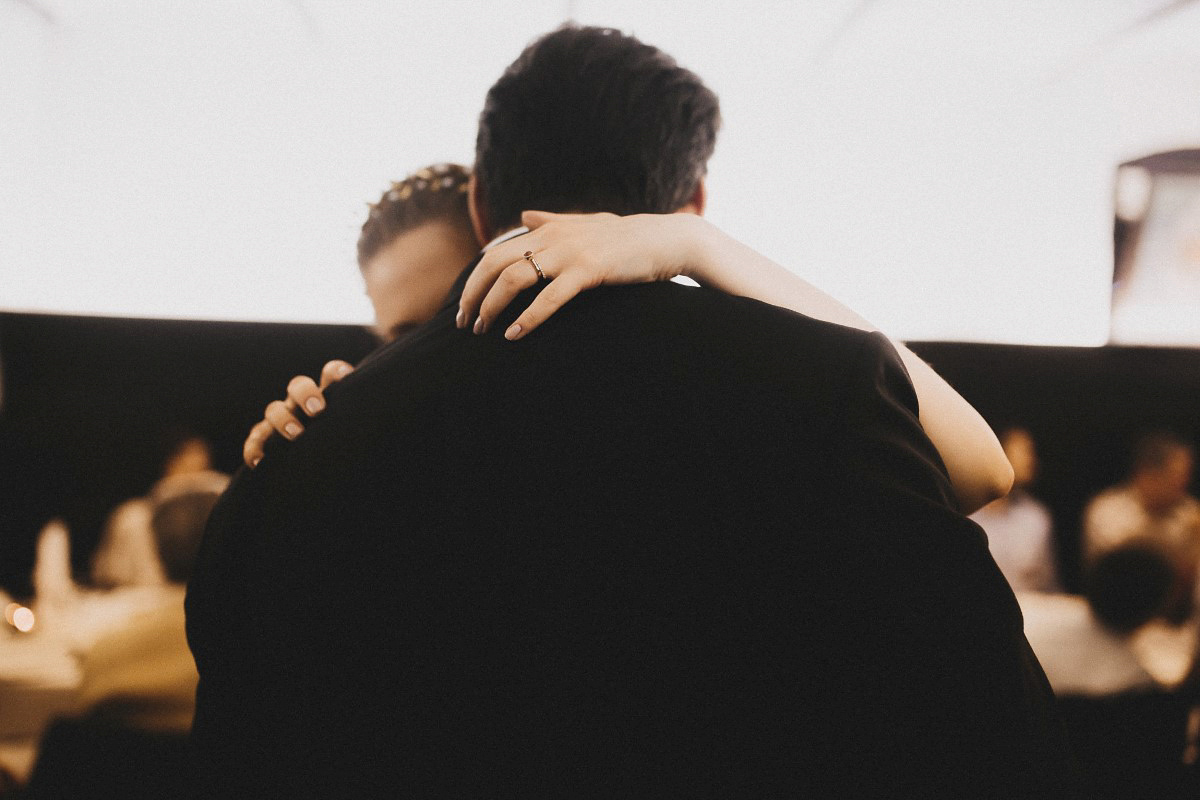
<point>944,168</point>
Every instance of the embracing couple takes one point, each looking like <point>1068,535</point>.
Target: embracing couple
<point>674,542</point>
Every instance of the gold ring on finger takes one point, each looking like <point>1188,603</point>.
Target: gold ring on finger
<point>529,257</point>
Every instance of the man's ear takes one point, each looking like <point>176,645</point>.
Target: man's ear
<point>479,221</point>
<point>695,205</point>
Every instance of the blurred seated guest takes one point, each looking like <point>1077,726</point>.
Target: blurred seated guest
<point>1018,527</point>
<point>127,555</point>
<point>1110,640</point>
<point>1153,503</point>
<point>142,675</point>
<point>137,692</point>
<point>53,585</point>
<point>1154,506</point>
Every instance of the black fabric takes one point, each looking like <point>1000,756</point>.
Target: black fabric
<point>1130,745</point>
<point>88,757</point>
<point>673,543</point>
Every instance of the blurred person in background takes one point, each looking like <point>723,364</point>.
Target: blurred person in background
<point>1019,527</point>
<point>137,695</point>
<point>126,554</point>
<point>1118,665</point>
<point>1088,644</point>
<point>142,674</point>
<point>1153,506</point>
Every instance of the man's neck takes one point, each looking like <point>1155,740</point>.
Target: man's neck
<point>504,237</point>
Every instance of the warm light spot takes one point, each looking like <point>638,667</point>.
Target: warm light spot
<point>23,619</point>
<point>9,610</point>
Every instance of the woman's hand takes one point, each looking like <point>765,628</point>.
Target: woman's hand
<point>576,252</point>
<point>303,393</point>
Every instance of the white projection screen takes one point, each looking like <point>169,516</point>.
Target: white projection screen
<point>946,169</point>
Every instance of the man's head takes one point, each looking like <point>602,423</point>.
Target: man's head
<point>1022,454</point>
<point>1129,586</point>
<point>180,505</point>
<point>590,119</point>
<point>1162,470</point>
<point>187,452</point>
<point>415,242</point>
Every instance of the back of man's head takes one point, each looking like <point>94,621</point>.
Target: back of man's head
<point>1129,586</point>
<point>590,119</point>
<point>1152,452</point>
<point>180,507</point>
<point>1162,471</point>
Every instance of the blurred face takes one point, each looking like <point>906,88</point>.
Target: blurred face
<point>1163,488</point>
<point>409,278</point>
<point>1018,446</point>
<point>191,456</point>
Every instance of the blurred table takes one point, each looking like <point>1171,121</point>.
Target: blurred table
<point>40,671</point>
<point>39,678</point>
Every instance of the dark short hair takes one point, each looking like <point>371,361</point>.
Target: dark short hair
<point>178,525</point>
<point>437,193</point>
<point>1129,586</point>
<point>1153,451</point>
<point>591,119</point>
<point>180,506</point>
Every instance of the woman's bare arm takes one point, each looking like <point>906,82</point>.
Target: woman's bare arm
<point>580,251</point>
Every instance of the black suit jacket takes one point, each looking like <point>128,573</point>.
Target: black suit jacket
<point>673,543</point>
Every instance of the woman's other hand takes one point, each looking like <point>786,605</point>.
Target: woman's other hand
<point>302,392</point>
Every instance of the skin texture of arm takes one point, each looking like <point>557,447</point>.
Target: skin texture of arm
<point>978,468</point>
<point>577,252</point>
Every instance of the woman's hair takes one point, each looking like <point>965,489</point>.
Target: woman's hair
<point>437,193</point>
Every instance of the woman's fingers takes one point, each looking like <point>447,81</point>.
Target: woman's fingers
<point>503,272</point>
<point>278,417</point>
<point>489,268</point>
<point>252,450</point>
<point>478,283</point>
<point>515,279</point>
<point>554,296</point>
<point>303,393</point>
<point>334,371</point>
<point>536,219</point>
<point>282,420</point>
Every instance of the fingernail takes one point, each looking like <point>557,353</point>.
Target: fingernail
<point>313,405</point>
<point>513,332</point>
<point>254,462</point>
<point>458,319</point>
<point>478,325</point>
<point>344,370</point>
<point>292,430</point>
